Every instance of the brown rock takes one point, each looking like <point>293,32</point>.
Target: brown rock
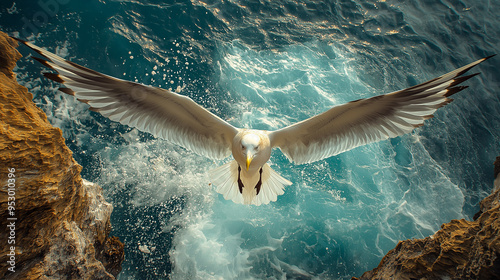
<point>111,255</point>
<point>459,250</point>
<point>58,219</point>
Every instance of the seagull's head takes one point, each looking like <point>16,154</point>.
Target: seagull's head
<point>251,146</point>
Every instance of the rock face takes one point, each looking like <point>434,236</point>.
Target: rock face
<point>54,225</point>
<point>459,250</point>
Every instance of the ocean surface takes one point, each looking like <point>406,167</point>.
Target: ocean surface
<point>266,64</point>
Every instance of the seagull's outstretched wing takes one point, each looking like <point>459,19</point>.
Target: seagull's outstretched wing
<point>368,120</point>
<point>158,111</point>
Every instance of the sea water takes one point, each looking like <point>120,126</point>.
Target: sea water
<point>267,64</point>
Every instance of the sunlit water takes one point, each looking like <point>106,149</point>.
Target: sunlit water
<point>267,64</point>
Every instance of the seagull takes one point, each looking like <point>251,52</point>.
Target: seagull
<point>248,178</point>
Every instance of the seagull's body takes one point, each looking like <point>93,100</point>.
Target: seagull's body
<point>248,178</point>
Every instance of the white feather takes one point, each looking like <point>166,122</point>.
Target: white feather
<point>225,179</point>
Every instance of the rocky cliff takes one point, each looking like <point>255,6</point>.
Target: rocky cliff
<point>54,225</point>
<point>459,250</point>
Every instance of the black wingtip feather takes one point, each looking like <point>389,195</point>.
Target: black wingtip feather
<point>490,56</point>
<point>17,39</point>
<point>42,61</point>
<point>27,44</point>
<point>454,90</point>
<point>67,91</point>
<point>460,80</point>
<point>54,77</point>
<point>83,100</point>
<point>482,60</point>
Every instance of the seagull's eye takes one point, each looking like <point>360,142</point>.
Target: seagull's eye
<point>256,148</point>
<point>243,147</point>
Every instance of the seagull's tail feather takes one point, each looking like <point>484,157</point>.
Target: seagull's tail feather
<point>225,178</point>
<point>272,186</point>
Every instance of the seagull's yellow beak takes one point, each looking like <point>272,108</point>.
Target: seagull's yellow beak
<point>249,160</point>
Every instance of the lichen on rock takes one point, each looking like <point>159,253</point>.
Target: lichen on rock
<point>59,222</point>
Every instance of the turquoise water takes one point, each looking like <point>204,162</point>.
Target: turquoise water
<point>266,64</point>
